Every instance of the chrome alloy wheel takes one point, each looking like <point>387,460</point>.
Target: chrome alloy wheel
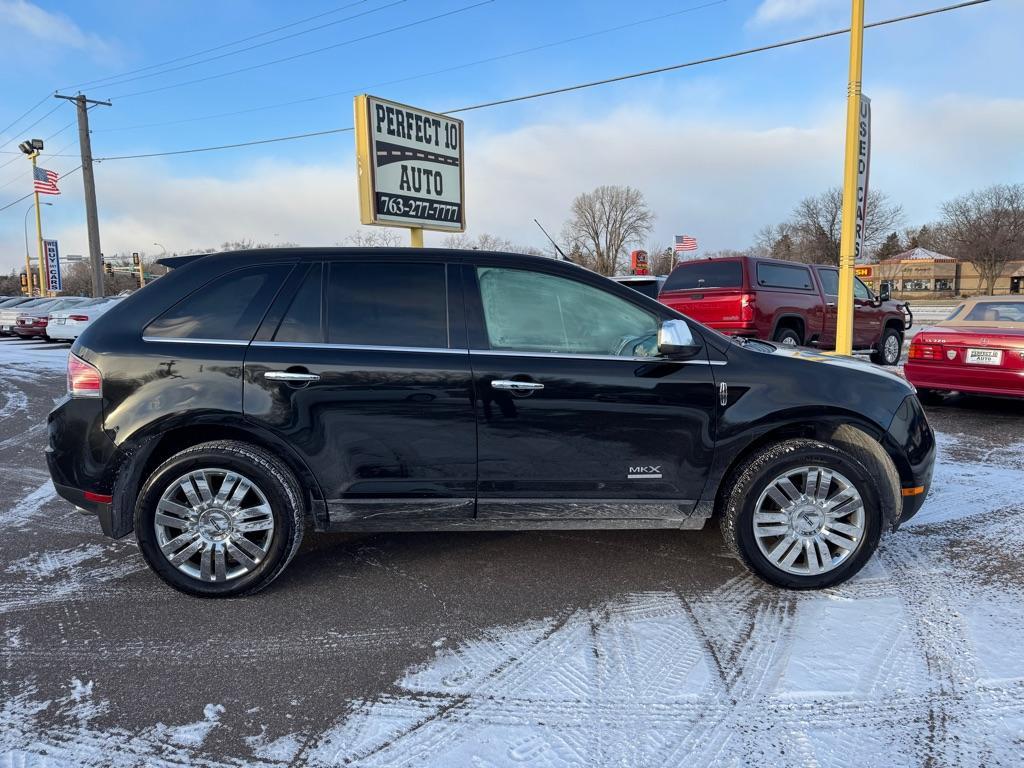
<point>809,520</point>
<point>214,524</point>
<point>891,349</point>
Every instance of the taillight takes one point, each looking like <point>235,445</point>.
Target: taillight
<point>747,301</point>
<point>924,351</point>
<point>83,379</point>
<point>78,317</point>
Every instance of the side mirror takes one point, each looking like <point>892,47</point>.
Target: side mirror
<point>675,339</point>
<point>883,292</point>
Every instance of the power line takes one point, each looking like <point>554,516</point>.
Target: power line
<point>52,135</point>
<point>215,48</point>
<point>303,54</point>
<point>465,65</point>
<point>18,119</point>
<point>578,86</point>
<point>254,46</point>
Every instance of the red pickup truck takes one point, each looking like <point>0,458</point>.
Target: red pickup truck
<point>785,302</point>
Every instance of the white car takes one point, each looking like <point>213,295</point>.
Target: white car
<point>67,324</point>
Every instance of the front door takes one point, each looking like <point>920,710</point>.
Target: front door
<point>830,287</point>
<point>357,367</point>
<point>577,415</point>
<point>867,316</point>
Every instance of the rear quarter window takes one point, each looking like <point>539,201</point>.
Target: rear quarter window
<point>795,278</point>
<point>707,274</point>
<point>227,308</point>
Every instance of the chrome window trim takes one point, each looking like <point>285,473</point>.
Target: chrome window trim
<point>357,347</point>
<point>574,356</point>
<point>182,340</point>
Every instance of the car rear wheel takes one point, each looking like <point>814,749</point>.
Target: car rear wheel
<point>220,519</point>
<point>788,337</point>
<point>889,348</point>
<point>803,514</point>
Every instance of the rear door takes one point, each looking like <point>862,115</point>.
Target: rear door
<point>358,368</point>
<point>830,287</point>
<point>577,416</point>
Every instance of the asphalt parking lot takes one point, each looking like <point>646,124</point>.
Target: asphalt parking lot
<point>538,648</point>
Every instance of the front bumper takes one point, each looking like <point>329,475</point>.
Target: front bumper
<point>911,444</point>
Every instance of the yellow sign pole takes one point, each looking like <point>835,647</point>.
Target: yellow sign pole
<point>847,242</point>
<point>39,234</point>
<point>416,237</point>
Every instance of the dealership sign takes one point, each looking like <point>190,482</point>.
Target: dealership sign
<point>863,168</point>
<point>52,256</point>
<point>410,166</point>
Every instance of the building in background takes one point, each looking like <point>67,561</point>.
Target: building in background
<point>920,273</point>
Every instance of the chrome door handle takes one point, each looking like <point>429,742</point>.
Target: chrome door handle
<point>290,376</point>
<point>519,386</point>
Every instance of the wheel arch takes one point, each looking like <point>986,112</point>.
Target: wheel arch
<point>151,450</point>
<point>851,430</point>
<point>794,321</point>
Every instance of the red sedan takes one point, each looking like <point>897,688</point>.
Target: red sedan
<point>979,348</point>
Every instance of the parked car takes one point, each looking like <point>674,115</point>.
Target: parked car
<point>648,285</point>
<point>32,321</point>
<point>793,304</point>
<point>243,397</point>
<point>14,301</point>
<point>67,324</point>
<point>979,348</point>
<point>10,310</point>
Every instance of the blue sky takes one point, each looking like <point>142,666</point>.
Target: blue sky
<point>719,149</point>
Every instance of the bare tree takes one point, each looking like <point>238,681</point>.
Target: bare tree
<point>374,238</point>
<point>489,242</point>
<point>604,224</point>
<point>986,228</point>
<point>817,225</point>
<point>661,259</point>
<point>10,285</point>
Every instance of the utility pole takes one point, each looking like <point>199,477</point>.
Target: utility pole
<point>848,237</point>
<point>89,182</point>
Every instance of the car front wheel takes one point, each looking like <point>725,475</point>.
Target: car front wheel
<point>220,519</point>
<point>803,514</point>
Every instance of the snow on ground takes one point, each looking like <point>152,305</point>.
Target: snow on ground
<point>916,661</point>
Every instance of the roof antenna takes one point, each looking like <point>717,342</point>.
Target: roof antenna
<point>564,257</point>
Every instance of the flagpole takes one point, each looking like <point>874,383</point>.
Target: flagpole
<point>39,233</point>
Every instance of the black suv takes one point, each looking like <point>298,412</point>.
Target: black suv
<point>246,396</point>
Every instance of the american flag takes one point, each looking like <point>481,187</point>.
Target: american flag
<point>45,181</point>
<point>685,243</point>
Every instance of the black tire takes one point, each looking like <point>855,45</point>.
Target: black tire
<point>888,353</point>
<point>787,336</point>
<point>274,479</point>
<point>752,477</point>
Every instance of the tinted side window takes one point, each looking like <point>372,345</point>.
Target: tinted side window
<point>783,276</point>
<point>229,307</point>
<point>387,304</point>
<point>301,322</point>
<point>533,312</point>
<point>705,274</point>
<point>829,281</point>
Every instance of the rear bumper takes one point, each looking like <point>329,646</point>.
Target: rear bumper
<point>29,330</point>
<point>979,380</point>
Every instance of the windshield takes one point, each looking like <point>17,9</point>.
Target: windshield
<point>705,274</point>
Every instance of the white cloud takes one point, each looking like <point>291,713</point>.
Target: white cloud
<point>27,18</point>
<point>776,11</point>
<point>716,178</point>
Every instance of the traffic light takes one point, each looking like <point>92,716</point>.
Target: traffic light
<point>135,259</point>
<point>108,268</point>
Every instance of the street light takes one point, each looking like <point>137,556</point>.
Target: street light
<point>28,265</point>
<point>164,253</point>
